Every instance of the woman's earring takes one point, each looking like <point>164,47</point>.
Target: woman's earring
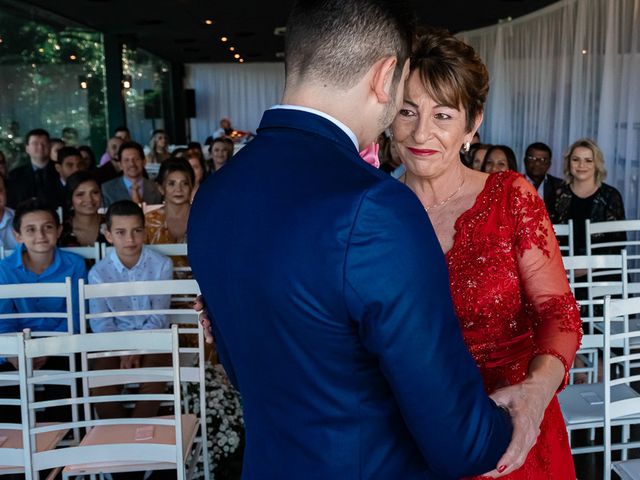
<point>466,147</point>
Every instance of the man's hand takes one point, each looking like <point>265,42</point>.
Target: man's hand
<point>203,315</point>
<point>130,361</point>
<point>39,362</point>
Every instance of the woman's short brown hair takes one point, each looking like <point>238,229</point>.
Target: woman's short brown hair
<point>598,160</point>
<point>451,71</point>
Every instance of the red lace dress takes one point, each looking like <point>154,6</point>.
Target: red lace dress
<point>511,295</point>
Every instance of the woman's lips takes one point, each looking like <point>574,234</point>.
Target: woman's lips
<point>422,151</point>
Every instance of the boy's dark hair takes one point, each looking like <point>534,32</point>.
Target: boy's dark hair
<point>65,152</point>
<point>131,145</point>
<point>121,128</point>
<point>36,132</point>
<point>337,41</point>
<point>123,208</point>
<point>33,205</point>
<point>176,165</point>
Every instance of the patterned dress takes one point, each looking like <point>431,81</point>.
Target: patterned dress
<point>511,294</point>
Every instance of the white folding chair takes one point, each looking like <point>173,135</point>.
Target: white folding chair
<point>564,231</point>
<point>15,449</point>
<point>167,249</point>
<point>581,404</point>
<point>42,292</point>
<point>621,400</point>
<point>89,253</point>
<point>594,233</point>
<point>120,444</point>
<point>192,358</point>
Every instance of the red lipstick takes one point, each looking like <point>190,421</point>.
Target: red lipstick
<point>422,151</point>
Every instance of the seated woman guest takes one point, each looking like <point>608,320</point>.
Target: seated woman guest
<point>499,158</point>
<point>508,284</point>
<point>199,169</point>
<point>477,153</point>
<point>219,153</point>
<point>585,196</point>
<point>159,146</point>
<point>169,223</point>
<point>83,225</point>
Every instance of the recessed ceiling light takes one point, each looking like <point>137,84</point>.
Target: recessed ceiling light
<point>224,39</point>
<point>208,21</point>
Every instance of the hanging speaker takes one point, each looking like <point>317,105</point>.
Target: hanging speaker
<point>190,103</point>
<point>152,108</point>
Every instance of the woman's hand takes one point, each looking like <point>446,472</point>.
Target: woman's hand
<point>203,316</point>
<point>527,403</point>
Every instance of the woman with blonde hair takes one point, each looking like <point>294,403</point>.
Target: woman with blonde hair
<point>159,145</point>
<point>585,196</point>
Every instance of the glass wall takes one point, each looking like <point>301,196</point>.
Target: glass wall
<point>51,77</point>
<point>147,92</point>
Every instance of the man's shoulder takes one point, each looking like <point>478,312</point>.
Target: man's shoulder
<point>554,181</point>
<point>155,257</point>
<point>71,259</point>
<point>20,172</point>
<point>111,184</point>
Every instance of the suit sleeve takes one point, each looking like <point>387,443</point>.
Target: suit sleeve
<point>397,291</point>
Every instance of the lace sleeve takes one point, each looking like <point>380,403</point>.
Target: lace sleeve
<point>557,323</point>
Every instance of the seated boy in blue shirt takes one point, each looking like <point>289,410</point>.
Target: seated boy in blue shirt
<point>37,260</point>
<point>129,261</point>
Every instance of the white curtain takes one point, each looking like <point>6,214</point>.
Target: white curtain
<point>240,92</point>
<point>568,71</point>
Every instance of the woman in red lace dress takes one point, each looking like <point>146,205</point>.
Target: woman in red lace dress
<point>518,316</point>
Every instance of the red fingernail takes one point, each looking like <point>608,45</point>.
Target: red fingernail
<point>502,468</point>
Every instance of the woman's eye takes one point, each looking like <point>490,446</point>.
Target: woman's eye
<point>442,116</point>
<point>405,112</point>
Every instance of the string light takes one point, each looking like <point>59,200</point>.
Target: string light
<point>208,22</point>
<point>232,49</point>
<point>72,57</point>
<point>224,39</point>
<point>237,55</point>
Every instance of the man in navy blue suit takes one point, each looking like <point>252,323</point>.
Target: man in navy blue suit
<point>326,287</point>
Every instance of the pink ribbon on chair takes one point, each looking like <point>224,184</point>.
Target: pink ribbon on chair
<point>370,155</point>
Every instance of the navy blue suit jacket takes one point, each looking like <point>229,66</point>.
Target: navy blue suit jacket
<point>332,315</point>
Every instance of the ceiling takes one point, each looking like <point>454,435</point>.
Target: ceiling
<point>178,29</point>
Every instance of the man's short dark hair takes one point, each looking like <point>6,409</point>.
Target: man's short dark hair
<point>36,132</point>
<point>123,208</point>
<point>337,41</point>
<point>121,128</point>
<point>65,152</point>
<point>128,145</point>
<point>32,205</point>
<point>539,146</point>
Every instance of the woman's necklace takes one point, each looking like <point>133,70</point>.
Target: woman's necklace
<point>443,202</point>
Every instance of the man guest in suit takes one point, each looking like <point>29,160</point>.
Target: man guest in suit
<point>326,287</point>
<point>132,185</point>
<point>39,177</point>
<point>537,161</point>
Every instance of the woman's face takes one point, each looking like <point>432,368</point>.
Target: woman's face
<point>197,168</point>
<point>581,164</point>
<point>86,199</point>
<point>428,135</point>
<point>161,141</point>
<point>219,154</point>
<point>177,188</point>
<point>478,158</point>
<point>496,162</point>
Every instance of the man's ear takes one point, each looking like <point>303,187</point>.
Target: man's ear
<point>58,167</point>
<point>108,236</point>
<point>17,236</point>
<point>382,78</point>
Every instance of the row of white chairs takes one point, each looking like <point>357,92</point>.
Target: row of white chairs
<point>98,251</point>
<point>631,228</point>
<point>190,369</point>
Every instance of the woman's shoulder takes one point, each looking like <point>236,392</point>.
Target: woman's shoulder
<point>609,190</point>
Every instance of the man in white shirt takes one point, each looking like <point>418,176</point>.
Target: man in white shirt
<point>537,161</point>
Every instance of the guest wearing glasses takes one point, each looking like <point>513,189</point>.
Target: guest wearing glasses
<point>585,196</point>
<point>537,161</point>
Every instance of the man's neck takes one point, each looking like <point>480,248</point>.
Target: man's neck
<point>39,163</point>
<point>134,180</point>
<point>536,180</point>
<point>37,262</point>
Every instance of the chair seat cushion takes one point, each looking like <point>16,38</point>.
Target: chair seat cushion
<point>124,434</point>
<point>584,403</point>
<point>628,470</point>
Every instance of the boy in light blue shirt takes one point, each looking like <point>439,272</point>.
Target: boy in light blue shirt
<point>129,261</point>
